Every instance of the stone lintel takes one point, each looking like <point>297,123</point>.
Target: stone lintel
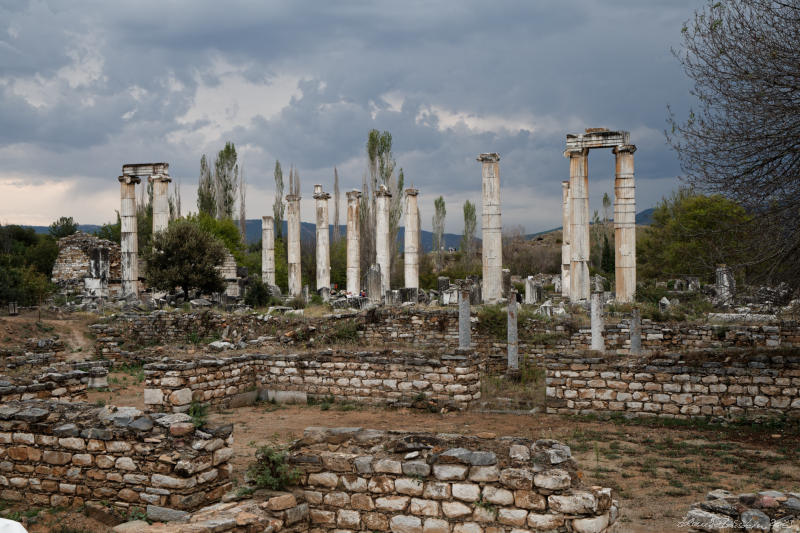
<point>129,179</point>
<point>412,192</point>
<point>145,169</point>
<point>597,139</point>
<point>489,157</point>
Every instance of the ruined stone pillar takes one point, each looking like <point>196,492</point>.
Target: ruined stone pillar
<point>129,237</point>
<point>268,250</point>
<point>566,226</point>
<point>382,244</point>
<point>636,331</point>
<point>725,286</point>
<point>160,184</point>
<point>293,245</point>
<point>579,224</point>
<point>625,224</point>
<point>492,228</point>
<point>411,246</point>
<point>323,242</point>
<point>513,339</point>
<point>353,243</point>
<point>464,323</point>
<point>597,323</point>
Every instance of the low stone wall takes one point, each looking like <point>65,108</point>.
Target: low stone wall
<point>61,384</point>
<point>768,510</point>
<point>386,378</point>
<point>435,483</point>
<point>731,385</point>
<point>56,454</point>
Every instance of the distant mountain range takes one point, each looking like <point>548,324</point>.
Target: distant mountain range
<point>308,231</point>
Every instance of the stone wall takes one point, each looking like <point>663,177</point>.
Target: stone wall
<point>768,510</point>
<point>369,480</point>
<point>65,382</point>
<point>73,263</point>
<point>387,378</point>
<point>730,385</point>
<point>56,454</point>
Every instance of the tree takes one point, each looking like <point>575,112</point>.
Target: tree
<point>438,229</point>
<point>242,213</point>
<point>468,241</point>
<point>336,199</point>
<point>111,231</point>
<point>607,260</point>
<point>278,207</point>
<point>226,178</point>
<point>741,140</point>
<point>206,190</point>
<point>186,256</point>
<point>63,227</point>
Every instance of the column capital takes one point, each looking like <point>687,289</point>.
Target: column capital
<point>293,197</point>
<point>159,177</point>
<point>565,184</point>
<point>630,148</point>
<point>130,179</point>
<point>383,191</point>
<point>576,152</point>
<point>266,219</point>
<point>355,194</point>
<point>412,192</point>
<point>319,194</point>
<point>489,157</point>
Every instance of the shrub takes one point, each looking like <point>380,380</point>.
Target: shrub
<point>271,471</point>
<point>493,320</point>
<point>199,413</point>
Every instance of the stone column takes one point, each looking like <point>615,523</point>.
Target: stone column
<point>725,286</point>
<point>382,247</point>
<point>513,339</point>
<point>636,331</point>
<point>293,245</point>
<point>566,226</point>
<point>492,228</point>
<point>323,242</point>
<point>353,243</point>
<point>579,224</point>
<point>625,224</point>
<point>268,250</point>
<point>129,241</point>
<point>411,246</point>
<point>160,184</point>
<point>597,323</point>
<point>464,323</point>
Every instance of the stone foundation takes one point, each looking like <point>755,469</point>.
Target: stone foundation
<point>388,378</point>
<point>765,511</point>
<point>58,454</point>
<point>368,480</point>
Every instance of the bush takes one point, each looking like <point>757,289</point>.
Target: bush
<point>199,414</point>
<point>271,471</point>
<point>258,294</point>
<point>493,320</point>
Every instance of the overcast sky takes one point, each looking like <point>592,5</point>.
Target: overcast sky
<point>87,86</point>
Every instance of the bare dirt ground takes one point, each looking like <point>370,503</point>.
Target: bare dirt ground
<point>71,329</point>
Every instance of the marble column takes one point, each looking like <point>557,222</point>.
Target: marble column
<point>579,224</point>
<point>411,246</point>
<point>512,338</point>
<point>598,343</point>
<point>353,243</point>
<point>129,237</point>
<point>293,245</point>
<point>625,224</point>
<point>268,250</point>
<point>382,246</point>
<point>323,241</point>
<point>492,228</point>
<point>464,322</point>
<point>160,183</point>
<point>566,226</point>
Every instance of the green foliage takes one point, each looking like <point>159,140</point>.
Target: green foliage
<point>111,232</point>
<point>258,294</point>
<point>608,261</point>
<point>42,255</point>
<point>278,207</point>
<point>199,413</point>
<point>493,320</point>
<point>440,212</point>
<point>271,471</point>
<point>691,234</point>
<point>345,332</point>
<point>206,198</point>
<point>63,227</point>
<point>226,176</point>
<point>185,255</point>
<point>468,240</point>
<point>26,264</point>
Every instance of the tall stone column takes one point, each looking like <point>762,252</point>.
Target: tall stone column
<point>579,224</point>
<point>513,339</point>
<point>492,228</point>
<point>160,184</point>
<point>625,224</point>
<point>464,323</point>
<point>293,245</point>
<point>129,241</point>
<point>598,343</point>
<point>636,331</point>
<point>566,226</point>
<point>353,243</point>
<point>411,246</point>
<point>323,240</point>
<point>382,248</point>
<point>268,250</point>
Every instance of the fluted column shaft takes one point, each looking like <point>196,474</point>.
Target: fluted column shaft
<point>625,224</point>
<point>353,243</point>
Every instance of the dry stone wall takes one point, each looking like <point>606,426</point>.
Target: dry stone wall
<point>368,480</point>
<point>58,454</point>
<point>74,259</point>
<point>67,382</point>
<point>732,385</point>
<point>768,510</point>
<point>386,378</point>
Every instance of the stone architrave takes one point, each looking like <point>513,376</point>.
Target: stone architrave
<point>268,250</point>
<point>129,237</point>
<point>513,338</point>
<point>323,242</point>
<point>625,224</point>
<point>598,343</point>
<point>353,243</point>
<point>566,225</point>
<point>492,254</point>
<point>160,183</point>
<point>382,243</point>
<point>411,245</point>
<point>293,245</point>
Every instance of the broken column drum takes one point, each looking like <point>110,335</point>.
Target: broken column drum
<point>382,247</point>
<point>323,239</point>
<point>577,150</point>
<point>160,183</point>
<point>129,238</point>
<point>293,245</point>
<point>411,245</point>
<point>268,250</point>
<point>492,256</point>
<point>566,225</point>
<point>353,243</point>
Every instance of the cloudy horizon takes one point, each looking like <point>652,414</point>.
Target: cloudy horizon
<point>87,86</point>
